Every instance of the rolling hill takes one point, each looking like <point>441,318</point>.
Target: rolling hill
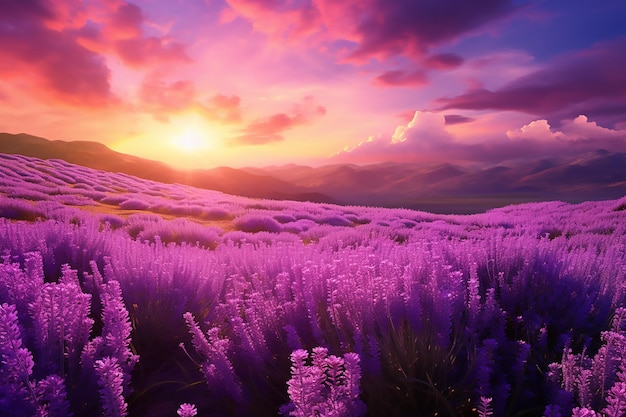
<point>442,188</point>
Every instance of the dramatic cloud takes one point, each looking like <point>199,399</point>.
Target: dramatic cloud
<point>58,50</point>
<point>270,129</point>
<point>49,63</point>
<point>426,139</point>
<point>378,28</point>
<point>592,81</point>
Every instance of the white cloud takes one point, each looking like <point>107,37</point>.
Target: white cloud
<point>425,132</point>
<point>539,130</point>
<point>425,128</point>
<point>582,128</point>
<point>577,129</point>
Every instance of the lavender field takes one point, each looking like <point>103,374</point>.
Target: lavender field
<point>122,296</point>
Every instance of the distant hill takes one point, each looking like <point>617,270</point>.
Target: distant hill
<point>442,188</point>
<point>98,156</point>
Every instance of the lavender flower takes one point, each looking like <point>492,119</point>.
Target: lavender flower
<point>16,361</point>
<point>53,396</point>
<point>216,367</point>
<point>187,410</point>
<point>111,382</point>
<point>329,386</point>
<point>584,412</point>
<point>484,407</point>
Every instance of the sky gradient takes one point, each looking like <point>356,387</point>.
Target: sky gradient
<point>199,84</point>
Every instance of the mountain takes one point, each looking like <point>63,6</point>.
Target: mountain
<point>442,188</point>
<point>98,156</point>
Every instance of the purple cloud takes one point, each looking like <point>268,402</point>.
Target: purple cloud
<point>591,81</point>
<point>456,119</point>
<point>401,78</point>
<point>443,61</point>
<point>426,139</point>
<point>379,28</point>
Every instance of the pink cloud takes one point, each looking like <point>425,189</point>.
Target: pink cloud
<point>592,81</point>
<point>119,27</point>
<point>51,63</point>
<point>142,51</point>
<point>271,129</point>
<point>126,21</point>
<point>280,17</point>
<point>163,98</point>
<point>378,28</point>
<point>224,108</point>
<point>58,50</point>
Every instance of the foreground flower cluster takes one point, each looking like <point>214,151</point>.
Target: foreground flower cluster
<point>120,296</point>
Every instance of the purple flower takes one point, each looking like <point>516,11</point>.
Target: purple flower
<point>111,382</point>
<point>187,410</point>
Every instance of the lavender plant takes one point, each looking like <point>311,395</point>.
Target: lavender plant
<point>328,385</point>
<point>447,315</point>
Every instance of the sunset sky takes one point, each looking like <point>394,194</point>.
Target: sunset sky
<point>203,83</point>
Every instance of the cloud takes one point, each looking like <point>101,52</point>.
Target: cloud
<point>224,108</point>
<point>283,18</point>
<point>591,81</point>
<point>126,21</point>
<point>376,28</point>
<point>271,129</point>
<point>424,135</point>
<point>57,51</point>
<point>425,139</point>
<point>579,129</point>
<point>538,130</point>
<point>443,61</point>
<point>163,98</point>
<point>142,51</point>
<point>456,119</point>
<point>50,63</point>
<point>402,78</point>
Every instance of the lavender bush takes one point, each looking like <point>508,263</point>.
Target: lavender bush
<point>517,311</point>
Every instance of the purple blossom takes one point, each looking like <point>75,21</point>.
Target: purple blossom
<point>187,410</point>
<point>111,382</point>
<point>328,386</point>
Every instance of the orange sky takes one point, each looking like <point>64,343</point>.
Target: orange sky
<point>248,82</point>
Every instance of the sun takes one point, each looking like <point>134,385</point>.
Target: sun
<point>191,134</point>
<point>191,141</point>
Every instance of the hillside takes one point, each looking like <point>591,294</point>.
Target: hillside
<point>441,188</point>
<point>126,294</point>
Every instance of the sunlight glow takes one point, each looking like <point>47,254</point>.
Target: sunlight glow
<point>191,133</point>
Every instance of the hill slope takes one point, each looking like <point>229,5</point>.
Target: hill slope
<point>442,188</point>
